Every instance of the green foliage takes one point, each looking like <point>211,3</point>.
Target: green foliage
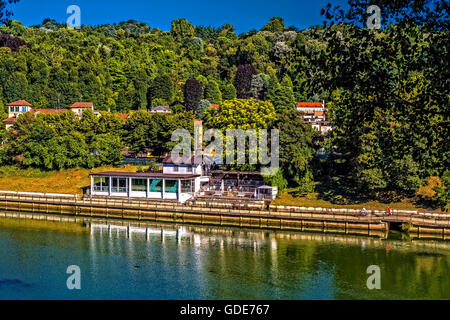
<point>203,106</point>
<point>162,88</point>
<point>282,95</point>
<point>296,149</point>
<point>212,92</point>
<point>144,131</point>
<point>386,90</point>
<point>241,114</point>
<point>276,25</point>
<point>277,180</point>
<point>177,108</point>
<point>182,29</point>
<point>229,92</point>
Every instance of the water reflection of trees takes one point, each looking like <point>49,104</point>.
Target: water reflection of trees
<point>261,264</point>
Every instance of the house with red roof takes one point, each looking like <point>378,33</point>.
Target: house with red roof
<point>316,114</point>
<point>15,109</point>
<point>18,107</point>
<point>79,107</point>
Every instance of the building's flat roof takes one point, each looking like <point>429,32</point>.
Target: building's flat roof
<point>145,175</point>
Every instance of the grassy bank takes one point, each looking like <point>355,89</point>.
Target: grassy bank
<point>65,181</point>
<point>291,198</point>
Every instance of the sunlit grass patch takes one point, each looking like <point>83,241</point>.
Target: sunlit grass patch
<point>65,181</point>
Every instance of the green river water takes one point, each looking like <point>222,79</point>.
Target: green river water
<point>214,263</point>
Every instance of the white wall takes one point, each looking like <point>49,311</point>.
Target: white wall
<point>182,169</point>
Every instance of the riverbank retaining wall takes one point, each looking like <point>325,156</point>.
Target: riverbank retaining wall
<point>217,213</point>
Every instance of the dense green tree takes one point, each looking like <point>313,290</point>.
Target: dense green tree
<point>105,149</point>
<point>137,132</point>
<point>203,106</point>
<point>212,92</point>
<point>296,149</point>
<point>276,25</point>
<point>162,87</point>
<point>228,92</point>
<point>182,29</point>
<point>281,94</point>
<point>15,86</point>
<point>390,97</point>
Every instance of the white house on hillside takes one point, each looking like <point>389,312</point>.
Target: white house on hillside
<point>79,107</point>
<point>15,109</point>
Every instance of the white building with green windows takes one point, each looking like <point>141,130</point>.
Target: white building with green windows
<point>175,182</point>
<point>148,185</point>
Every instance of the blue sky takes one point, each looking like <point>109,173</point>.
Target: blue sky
<point>242,14</point>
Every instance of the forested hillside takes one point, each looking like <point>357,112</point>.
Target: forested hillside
<point>387,90</point>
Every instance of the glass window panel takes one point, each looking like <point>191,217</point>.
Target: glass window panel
<point>105,184</point>
<point>123,185</point>
<point>101,184</point>
<point>97,184</point>
<point>171,186</point>
<point>156,185</point>
<point>114,187</point>
<point>187,186</point>
<point>139,185</point>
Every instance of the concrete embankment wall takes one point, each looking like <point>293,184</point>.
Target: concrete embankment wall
<point>253,216</point>
<point>229,214</point>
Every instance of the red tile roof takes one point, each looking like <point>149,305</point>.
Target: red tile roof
<point>309,105</point>
<point>123,116</point>
<point>48,111</point>
<point>216,106</point>
<point>20,103</point>
<point>82,105</point>
<point>10,120</point>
